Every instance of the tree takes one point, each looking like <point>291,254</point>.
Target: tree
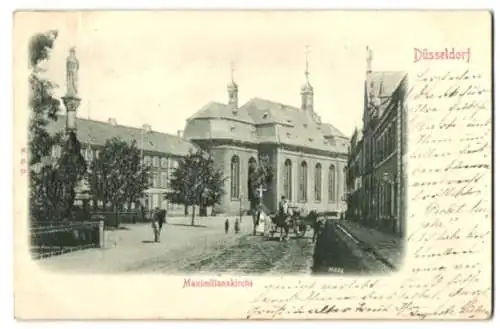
<point>46,187</point>
<point>196,182</point>
<point>44,106</point>
<point>51,184</point>
<point>118,175</point>
<point>71,169</point>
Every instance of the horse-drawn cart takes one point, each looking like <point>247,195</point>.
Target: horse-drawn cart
<point>295,220</point>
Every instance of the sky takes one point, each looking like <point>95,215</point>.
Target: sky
<point>160,68</point>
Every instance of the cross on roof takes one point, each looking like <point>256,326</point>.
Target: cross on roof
<point>307,51</point>
<point>232,70</point>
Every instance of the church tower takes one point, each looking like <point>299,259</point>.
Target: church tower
<point>307,91</point>
<point>232,90</point>
<point>372,101</point>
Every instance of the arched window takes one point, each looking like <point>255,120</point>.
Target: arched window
<point>317,182</point>
<point>235,177</point>
<point>345,176</point>
<point>252,166</point>
<point>287,187</point>
<point>303,182</point>
<point>331,184</point>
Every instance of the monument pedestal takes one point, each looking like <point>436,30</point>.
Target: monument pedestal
<point>71,103</point>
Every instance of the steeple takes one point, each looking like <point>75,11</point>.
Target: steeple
<point>232,90</point>
<point>369,59</point>
<point>307,91</point>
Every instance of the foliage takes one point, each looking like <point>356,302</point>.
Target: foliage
<point>44,106</point>
<point>196,181</point>
<point>71,169</point>
<point>52,191</point>
<point>118,175</point>
<point>261,175</point>
<point>52,184</point>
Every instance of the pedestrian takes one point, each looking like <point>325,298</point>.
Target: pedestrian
<point>236,226</point>
<point>155,223</point>
<point>162,218</point>
<point>283,215</point>
<point>226,225</point>
<point>317,225</point>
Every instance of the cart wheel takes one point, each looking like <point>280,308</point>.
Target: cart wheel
<point>301,231</point>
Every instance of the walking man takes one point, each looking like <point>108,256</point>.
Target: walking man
<point>226,225</point>
<point>155,223</point>
<point>282,217</point>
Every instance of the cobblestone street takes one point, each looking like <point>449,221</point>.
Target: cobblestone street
<point>206,248</point>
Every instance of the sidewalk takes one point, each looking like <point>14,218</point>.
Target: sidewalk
<point>132,245</point>
<point>387,246</point>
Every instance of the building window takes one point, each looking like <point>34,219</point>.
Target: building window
<point>252,166</point>
<point>235,177</point>
<point>88,154</point>
<point>164,163</point>
<point>156,162</point>
<point>56,151</point>
<point>156,200</point>
<point>345,176</point>
<point>147,160</point>
<point>303,182</point>
<point>164,180</point>
<point>288,179</point>
<point>317,182</point>
<point>331,183</point>
<point>156,180</point>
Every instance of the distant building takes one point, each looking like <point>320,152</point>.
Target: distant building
<point>160,150</point>
<point>355,176</point>
<point>309,157</point>
<point>381,202</point>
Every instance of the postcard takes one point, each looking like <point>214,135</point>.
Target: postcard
<point>253,165</point>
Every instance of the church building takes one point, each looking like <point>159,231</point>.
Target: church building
<point>309,157</point>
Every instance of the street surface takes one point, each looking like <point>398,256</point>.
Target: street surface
<point>206,248</point>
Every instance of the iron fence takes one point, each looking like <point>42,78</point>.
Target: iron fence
<point>51,239</point>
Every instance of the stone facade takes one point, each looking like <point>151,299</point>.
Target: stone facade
<point>288,136</point>
<point>161,151</point>
<point>380,200</point>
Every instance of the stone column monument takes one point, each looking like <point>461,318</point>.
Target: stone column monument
<point>71,99</point>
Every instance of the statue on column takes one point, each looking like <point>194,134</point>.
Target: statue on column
<point>72,67</point>
<point>369,58</point>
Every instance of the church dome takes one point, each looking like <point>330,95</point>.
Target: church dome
<point>232,85</point>
<point>306,87</point>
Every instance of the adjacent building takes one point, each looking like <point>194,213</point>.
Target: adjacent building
<point>354,176</point>
<point>160,150</point>
<point>377,159</point>
<point>309,156</point>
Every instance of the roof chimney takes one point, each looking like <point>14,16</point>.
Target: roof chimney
<point>112,121</point>
<point>146,127</point>
<point>179,133</point>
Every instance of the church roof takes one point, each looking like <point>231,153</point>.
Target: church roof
<point>329,130</point>
<point>98,132</point>
<point>216,110</point>
<point>260,120</point>
<point>384,83</point>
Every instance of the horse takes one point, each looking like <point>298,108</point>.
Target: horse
<point>283,222</point>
